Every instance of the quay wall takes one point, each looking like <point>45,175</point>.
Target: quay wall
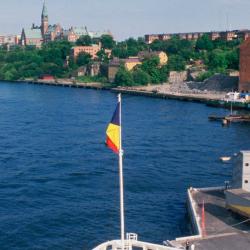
<point>200,98</point>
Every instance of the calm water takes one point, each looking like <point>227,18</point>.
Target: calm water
<point>59,183</point>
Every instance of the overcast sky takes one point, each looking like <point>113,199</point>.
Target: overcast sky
<point>126,18</point>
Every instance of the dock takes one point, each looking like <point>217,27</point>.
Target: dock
<point>230,118</point>
<point>216,227</point>
<point>201,98</point>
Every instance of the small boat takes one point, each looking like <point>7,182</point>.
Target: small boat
<point>225,158</point>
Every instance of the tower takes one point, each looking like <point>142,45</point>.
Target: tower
<point>44,20</point>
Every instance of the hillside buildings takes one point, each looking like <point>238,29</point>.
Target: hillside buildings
<point>11,40</point>
<point>224,35</point>
<point>44,33</point>
<point>131,62</point>
<point>160,54</point>
<point>92,50</point>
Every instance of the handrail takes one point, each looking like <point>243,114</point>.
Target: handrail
<point>129,244</point>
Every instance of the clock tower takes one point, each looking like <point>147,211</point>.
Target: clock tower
<point>44,20</point>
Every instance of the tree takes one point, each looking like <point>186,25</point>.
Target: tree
<point>107,42</point>
<point>176,63</point>
<point>164,72</point>
<point>218,61</point>
<point>232,58</point>
<point>85,40</point>
<point>151,66</point>
<point>149,63</point>
<point>140,77</point>
<point>52,69</point>
<point>123,77</point>
<point>204,43</point>
<point>102,56</point>
<point>83,59</point>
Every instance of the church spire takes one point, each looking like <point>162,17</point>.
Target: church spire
<point>45,20</point>
<point>45,11</point>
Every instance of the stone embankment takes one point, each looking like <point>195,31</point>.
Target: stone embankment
<point>214,88</point>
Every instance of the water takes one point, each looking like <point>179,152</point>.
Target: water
<point>59,183</point>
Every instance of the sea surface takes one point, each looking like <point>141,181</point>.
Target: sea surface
<point>59,183</point>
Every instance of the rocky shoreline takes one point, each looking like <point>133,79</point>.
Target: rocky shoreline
<point>213,89</point>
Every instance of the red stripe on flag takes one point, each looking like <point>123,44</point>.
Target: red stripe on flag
<point>111,145</point>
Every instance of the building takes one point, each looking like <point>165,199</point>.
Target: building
<point>11,40</point>
<point>228,35</point>
<point>75,33</point>
<point>44,20</point>
<point>160,54</point>
<point>244,80</point>
<point>214,35</point>
<point>92,50</point>
<point>113,68</point>
<point>68,35</point>
<point>238,196</point>
<point>31,37</point>
<point>129,63</point>
<point>224,35</point>
<point>153,37</point>
<point>54,32</point>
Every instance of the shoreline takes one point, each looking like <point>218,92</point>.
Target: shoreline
<point>201,98</point>
<point>136,91</point>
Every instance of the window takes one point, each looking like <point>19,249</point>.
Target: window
<point>246,181</point>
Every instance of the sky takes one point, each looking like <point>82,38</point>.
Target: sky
<point>129,18</point>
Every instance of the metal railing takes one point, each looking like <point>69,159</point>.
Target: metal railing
<point>130,243</point>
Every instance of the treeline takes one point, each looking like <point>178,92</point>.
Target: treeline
<point>217,56</point>
<point>54,58</point>
<point>150,71</point>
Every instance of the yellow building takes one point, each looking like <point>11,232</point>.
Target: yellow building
<point>147,54</point>
<point>128,63</point>
<point>131,62</point>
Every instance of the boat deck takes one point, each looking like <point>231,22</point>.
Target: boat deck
<point>223,229</point>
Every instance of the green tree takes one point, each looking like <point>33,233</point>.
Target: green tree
<point>83,59</point>
<point>85,40</point>
<point>204,43</point>
<point>232,58</point>
<point>164,72</point>
<point>102,56</point>
<point>107,42</point>
<point>218,61</point>
<point>140,77</point>
<point>152,67</point>
<point>176,63</point>
<point>123,77</point>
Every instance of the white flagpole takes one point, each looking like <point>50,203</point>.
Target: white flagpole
<point>121,177</point>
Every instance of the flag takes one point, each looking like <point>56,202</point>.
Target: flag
<point>113,131</point>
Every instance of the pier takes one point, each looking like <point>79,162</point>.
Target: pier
<point>230,118</point>
<point>216,227</point>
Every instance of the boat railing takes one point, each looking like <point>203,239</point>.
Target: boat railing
<point>132,243</point>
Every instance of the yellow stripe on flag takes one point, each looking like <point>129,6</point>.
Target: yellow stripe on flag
<point>113,133</point>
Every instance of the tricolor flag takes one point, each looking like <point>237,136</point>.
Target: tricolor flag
<point>113,131</point>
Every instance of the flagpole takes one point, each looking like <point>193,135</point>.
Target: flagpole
<point>121,176</point>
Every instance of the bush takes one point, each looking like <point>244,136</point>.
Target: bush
<point>140,77</point>
<point>203,76</point>
<point>123,77</point>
